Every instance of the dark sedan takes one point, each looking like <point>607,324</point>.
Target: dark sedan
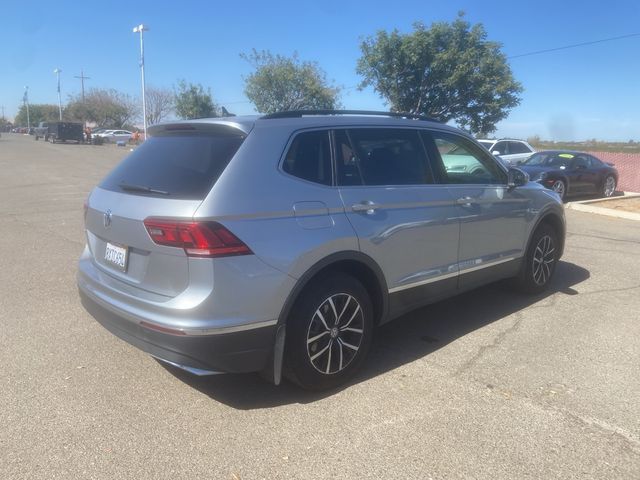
<point>571,173</point>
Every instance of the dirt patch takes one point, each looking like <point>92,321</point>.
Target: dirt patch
<point>626,204</point>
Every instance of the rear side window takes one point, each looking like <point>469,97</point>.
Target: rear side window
<point>309,157</point>
<point>183,166</point>
<point>518,147</point>
<point>379,156</point>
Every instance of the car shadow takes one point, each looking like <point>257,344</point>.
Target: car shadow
<point>402,341</point>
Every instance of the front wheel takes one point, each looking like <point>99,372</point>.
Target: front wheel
<point>609,186</point>
<point>560,188</point>
<point>540,261</point>
<point>329,332</point>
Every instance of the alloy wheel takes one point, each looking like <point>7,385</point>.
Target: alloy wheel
<point>335,333</point>
<point>543,258</point>
<point>609,186</point>
<point>559,188</point>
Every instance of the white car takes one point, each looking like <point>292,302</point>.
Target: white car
<point>114,135</point>
<point>510,151</point>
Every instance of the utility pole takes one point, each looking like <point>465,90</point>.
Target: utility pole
<point>141,29</point>
<point>57,72</point>
<point>82,79</point>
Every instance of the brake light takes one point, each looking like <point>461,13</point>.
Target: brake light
<point>198,239</point>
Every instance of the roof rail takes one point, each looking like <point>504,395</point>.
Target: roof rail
<point>303,113</point>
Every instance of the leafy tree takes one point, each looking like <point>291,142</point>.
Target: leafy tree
<point>104,107</point>
<point>193,101</point>
<point>281,83</point>
<point>449,71</point>
<point>160,104</point>
<point>43,112</point>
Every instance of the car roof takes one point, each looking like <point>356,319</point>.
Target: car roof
<point>572,152</point>
<point>246,123</point>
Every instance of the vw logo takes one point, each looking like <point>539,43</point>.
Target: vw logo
<point>107,219</point>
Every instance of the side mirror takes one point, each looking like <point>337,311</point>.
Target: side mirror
<point>516,178</point>
<point>496,152</point>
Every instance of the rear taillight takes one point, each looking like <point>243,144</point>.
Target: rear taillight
<point>198,239</point>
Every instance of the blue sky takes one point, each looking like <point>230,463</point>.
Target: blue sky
<point>574,94</point>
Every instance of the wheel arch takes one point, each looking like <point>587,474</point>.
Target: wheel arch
<point>555,221</point>
<point>360,266</point>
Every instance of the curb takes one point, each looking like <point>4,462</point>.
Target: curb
<point>584,206</point>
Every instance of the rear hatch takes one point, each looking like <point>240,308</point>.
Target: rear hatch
<point>167,178</point>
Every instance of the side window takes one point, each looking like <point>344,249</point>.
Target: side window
<point>518,147</point>
<point>381,156</point>
<point>501,147</point>
<point>309,157</point>
<point>460,161</point>
<point>581,162</point>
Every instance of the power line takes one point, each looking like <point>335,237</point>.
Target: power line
<point>537,52</point>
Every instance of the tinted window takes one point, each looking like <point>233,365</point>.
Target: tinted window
<point>550,159</point>
<point>518,147</point>
<point>380,156</point>
<point>461,161</point>
<point>185,166</point>
<point>309,157</point>
<point>582,162</point>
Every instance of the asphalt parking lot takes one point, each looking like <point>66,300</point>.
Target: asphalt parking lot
<point>487,385</point>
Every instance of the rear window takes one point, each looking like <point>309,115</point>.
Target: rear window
<point>176,166</point>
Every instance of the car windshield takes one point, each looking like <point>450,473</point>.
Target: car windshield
<point>486,144</point>
<point>550,159</point>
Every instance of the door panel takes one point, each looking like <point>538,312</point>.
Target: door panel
<point>405,222</point>
<point>493,226</point>
<point>493,218</point>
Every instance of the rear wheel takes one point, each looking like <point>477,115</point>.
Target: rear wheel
<point>540,261</point>
<point>329,332</point>
<point>609,186</point>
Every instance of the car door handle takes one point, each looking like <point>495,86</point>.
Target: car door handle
<point>367,207</point>
<point>465,201</point>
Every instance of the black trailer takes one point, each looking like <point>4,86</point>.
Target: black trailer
<point>61,132</point>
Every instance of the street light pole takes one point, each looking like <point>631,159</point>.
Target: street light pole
<point>141,29</point>
<point>25,99</point>
<point>57,72</point>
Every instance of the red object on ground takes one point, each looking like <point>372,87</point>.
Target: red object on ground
<point>628,165</point>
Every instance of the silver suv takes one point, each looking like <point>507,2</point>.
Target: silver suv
<point>278,244</point>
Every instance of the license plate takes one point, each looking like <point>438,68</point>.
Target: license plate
<point>116,255</point>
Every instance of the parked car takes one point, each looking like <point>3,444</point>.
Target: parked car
<point>570,173</point>
<point>59,132</point>
<point>510,151</point>
<point>114,136</point>
<point>278,244</point>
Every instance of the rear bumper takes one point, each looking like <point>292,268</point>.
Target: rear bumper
<point>237,352</point>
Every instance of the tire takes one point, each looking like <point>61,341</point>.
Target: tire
<point>609,186</point>
<point>560,187</point>
<point>539,262</point>
<point>322,353</point>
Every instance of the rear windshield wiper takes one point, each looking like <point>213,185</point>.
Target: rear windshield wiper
<point>127,187</point>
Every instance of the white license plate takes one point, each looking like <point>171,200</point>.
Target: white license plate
<point>116,255</point>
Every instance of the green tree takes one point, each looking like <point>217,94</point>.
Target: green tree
<point>104,107</point>
<point>38,112</point>
<point>282,83</point>
<point>449,71</point>
<point>193,101</point>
